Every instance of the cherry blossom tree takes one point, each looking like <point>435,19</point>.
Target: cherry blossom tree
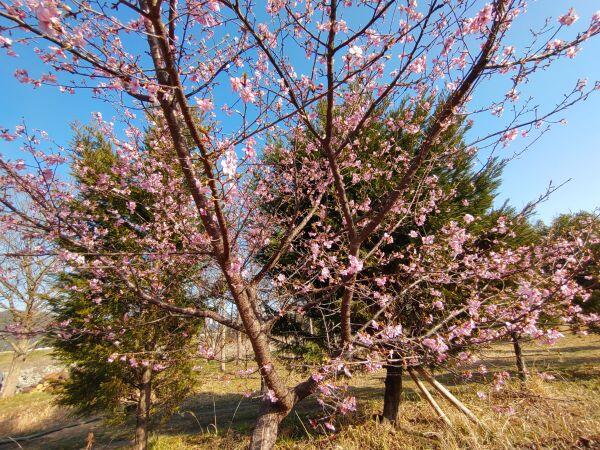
<point>25,288</point>
<point>221,79</point>
<point>585,226</point>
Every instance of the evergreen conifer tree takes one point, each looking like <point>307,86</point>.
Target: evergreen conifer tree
<point>122,352</point>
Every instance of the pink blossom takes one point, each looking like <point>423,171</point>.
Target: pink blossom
<point>247,95</point>
<point>229,164</point>
<point>356,265</point>
<point>249,151</point>
<point>205,104</point>
<point>418,65</point>
<point>508,136</point>
<point>569,18</point>
<point>500,379</point>
<point>47,15</point>
<point>205,352</point>
<point>355,51</point>
<point>317,376</point>
<point>437,344</point>
<point>236,84</point>
<point>4,134</point>
<point>391,331</point>
<point>19,164</point>
<point>428,240</point>
<point>326,389</point>
<point>552,336</point>
<point>380,281</point>
<point>274,6</point>
<point>270,395</point>
<point>348,405</point>
<point>546,376</point>
<point>214,5</point>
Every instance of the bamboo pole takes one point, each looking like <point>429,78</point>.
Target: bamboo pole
<point>451,398</point>
<point>430,398</point>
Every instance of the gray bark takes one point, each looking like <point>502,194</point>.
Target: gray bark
<point>9,385</point>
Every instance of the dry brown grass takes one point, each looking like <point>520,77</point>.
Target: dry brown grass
<point>28,413</point>
<point>562,413</point>
<point>538,415</point>
<point>544,415</point>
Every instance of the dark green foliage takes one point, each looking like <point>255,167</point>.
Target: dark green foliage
<point>111,336</point>
<point>465,187</point>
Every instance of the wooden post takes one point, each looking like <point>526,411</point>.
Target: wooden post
<point>451,398</point>
<point>522,370</point>
<point>393,391</point>
<point>429,398</point>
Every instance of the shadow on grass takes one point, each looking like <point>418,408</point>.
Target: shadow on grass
<point>229,413</point>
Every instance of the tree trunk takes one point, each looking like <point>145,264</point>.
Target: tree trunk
<point>222,358</point>
<point>238,347</point>
<point>521,369</point>
<point>9,385</point>
<point>393,391</point>
<point>266,428</point>
<point>143,411</point>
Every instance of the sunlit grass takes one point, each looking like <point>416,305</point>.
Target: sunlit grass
<point>560,413</point>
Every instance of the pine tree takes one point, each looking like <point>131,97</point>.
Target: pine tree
<point>122,352</point>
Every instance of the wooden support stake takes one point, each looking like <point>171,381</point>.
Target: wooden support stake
<point>429,398</point>
<point>451,398</point>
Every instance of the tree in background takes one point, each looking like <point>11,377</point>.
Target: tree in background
<point>583,314</point>
<point>120,351</point>
<point>463,194</point>
<point>26,279</point>
<point>586,226</point>
<point>462,189</point>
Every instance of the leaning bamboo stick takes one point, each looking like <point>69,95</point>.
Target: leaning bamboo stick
<point>430,398</point>
<point>451,398</point>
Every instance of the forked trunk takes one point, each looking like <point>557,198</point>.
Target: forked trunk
<point>143,410</point>
<point>9,386</point>
<point>266,428</point>
<point>521,369</point>
<point>393,391</point>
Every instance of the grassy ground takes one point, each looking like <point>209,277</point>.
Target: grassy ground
<point>37,358</point>
<point>559,413</point>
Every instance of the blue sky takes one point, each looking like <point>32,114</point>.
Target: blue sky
<point>566,152</point>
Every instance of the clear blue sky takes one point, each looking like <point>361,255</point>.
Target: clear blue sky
<point>571,151</point>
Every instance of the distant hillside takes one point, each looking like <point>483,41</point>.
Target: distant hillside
<point>4,320</point>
